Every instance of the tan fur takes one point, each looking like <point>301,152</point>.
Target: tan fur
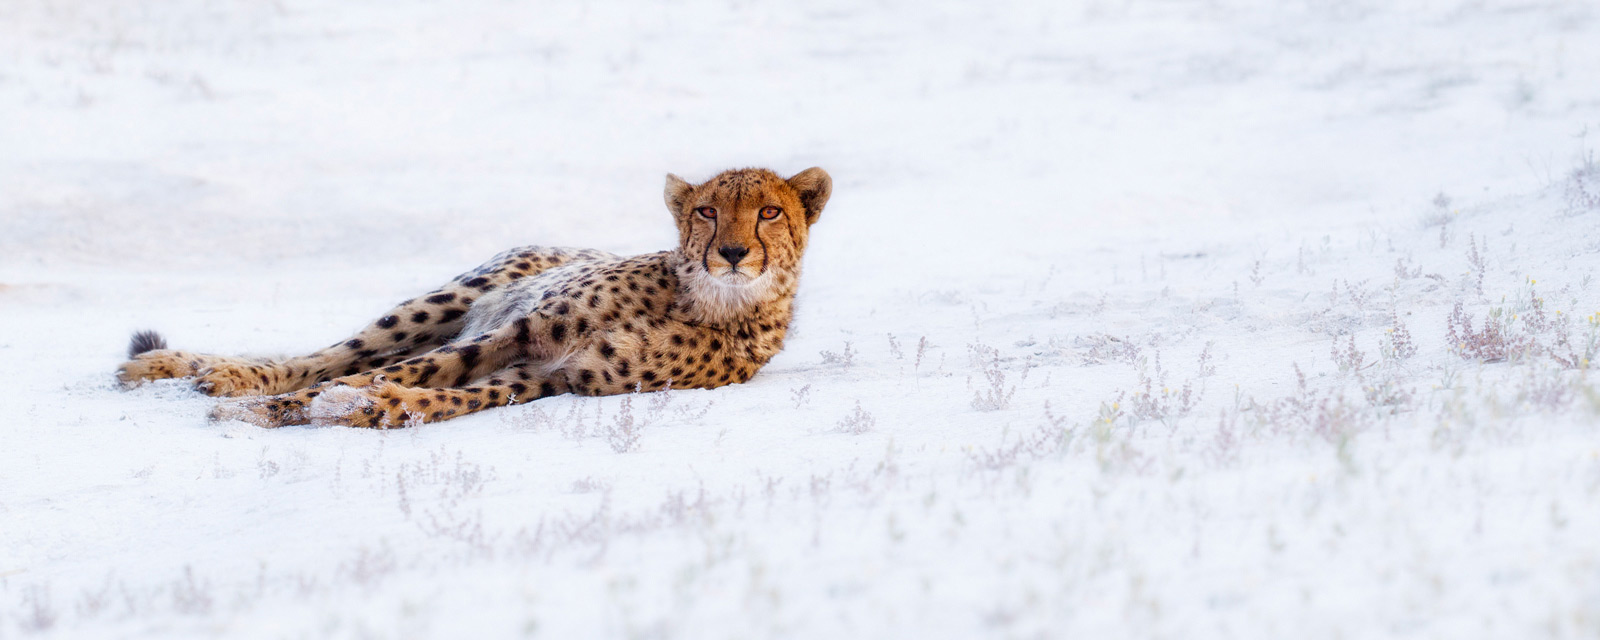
<point>598,325</point>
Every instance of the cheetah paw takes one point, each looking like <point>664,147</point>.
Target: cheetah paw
<point>377,406</point>
<point>213,375</point>
<point>157,365</point>
<point>257,411</point>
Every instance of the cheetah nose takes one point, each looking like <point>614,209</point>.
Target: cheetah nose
<point>733,254</point>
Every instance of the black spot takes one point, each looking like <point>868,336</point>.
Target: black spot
<point>563,308</point>
<point>594,301</point>
<point>648,376</point>
<point>440,299</point>
<point>474,404</point>
<point>518,388</point>
<point>586,376</point>
<point>716,345</point>
<point>419,317</point>
<point>494,394</point>
<point>583,326</point>
<point>677,340</point>
<point>478,283</point>
<point>366,354</point>
<point>392,369</point>
<point>399,335</point>
<point>546,389</point>
<point>354,343</point>
<point>388,322</point>
<point>469,355</point>
<point>558,330</point>
<point>606,350</point>
<point>450,315</point>
<point>677,371</point>
<point>427,373</point>
<point>523,334</point>
<point>455,400</point>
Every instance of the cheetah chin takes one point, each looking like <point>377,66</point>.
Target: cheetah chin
<point>733,293</point>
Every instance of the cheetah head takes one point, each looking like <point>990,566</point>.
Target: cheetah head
<point>745,229</point>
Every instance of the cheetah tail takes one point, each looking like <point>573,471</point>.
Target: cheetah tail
<point>145,341</point>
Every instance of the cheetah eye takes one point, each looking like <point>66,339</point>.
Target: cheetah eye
<point>708,212</point>
<point>770,213</point>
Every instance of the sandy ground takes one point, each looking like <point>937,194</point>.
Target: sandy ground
<point>1176,320</point>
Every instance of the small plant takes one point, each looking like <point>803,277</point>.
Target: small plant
<point>997,395</point>
<point>1403,269</point>
<point>1440,217</point>
<point>1489,344</point>
<point>801,396</point>
<point>1207,369</point>
<point>1397,344</point>
<point>844,358</point>
<point>1148,403</point>
<point>1583,186</point>
<point>191,596</point>
<point>1050,437</point>
<point>1349,359</point>
<point>37,614</point>
<point>1476,261</point>
<point>857,423</point>
<point>1103,347</point>
<point>623,431</point>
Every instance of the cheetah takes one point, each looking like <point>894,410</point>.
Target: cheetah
<point>535,322</point>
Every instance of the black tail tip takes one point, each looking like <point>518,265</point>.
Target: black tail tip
<point>145,341</point>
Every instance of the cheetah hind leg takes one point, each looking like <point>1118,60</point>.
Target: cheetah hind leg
<point>150,359</point>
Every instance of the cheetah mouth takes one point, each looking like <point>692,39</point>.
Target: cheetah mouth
<point>733,275</point>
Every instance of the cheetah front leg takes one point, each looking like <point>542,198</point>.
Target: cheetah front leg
<point>386,405</point>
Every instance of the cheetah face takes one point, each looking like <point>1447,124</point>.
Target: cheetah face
<point>745,224</point>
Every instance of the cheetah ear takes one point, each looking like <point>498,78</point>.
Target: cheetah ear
<point>814,187</point>
<point>677,193</point>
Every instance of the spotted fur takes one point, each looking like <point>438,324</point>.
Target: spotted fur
<point>536,321</point>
